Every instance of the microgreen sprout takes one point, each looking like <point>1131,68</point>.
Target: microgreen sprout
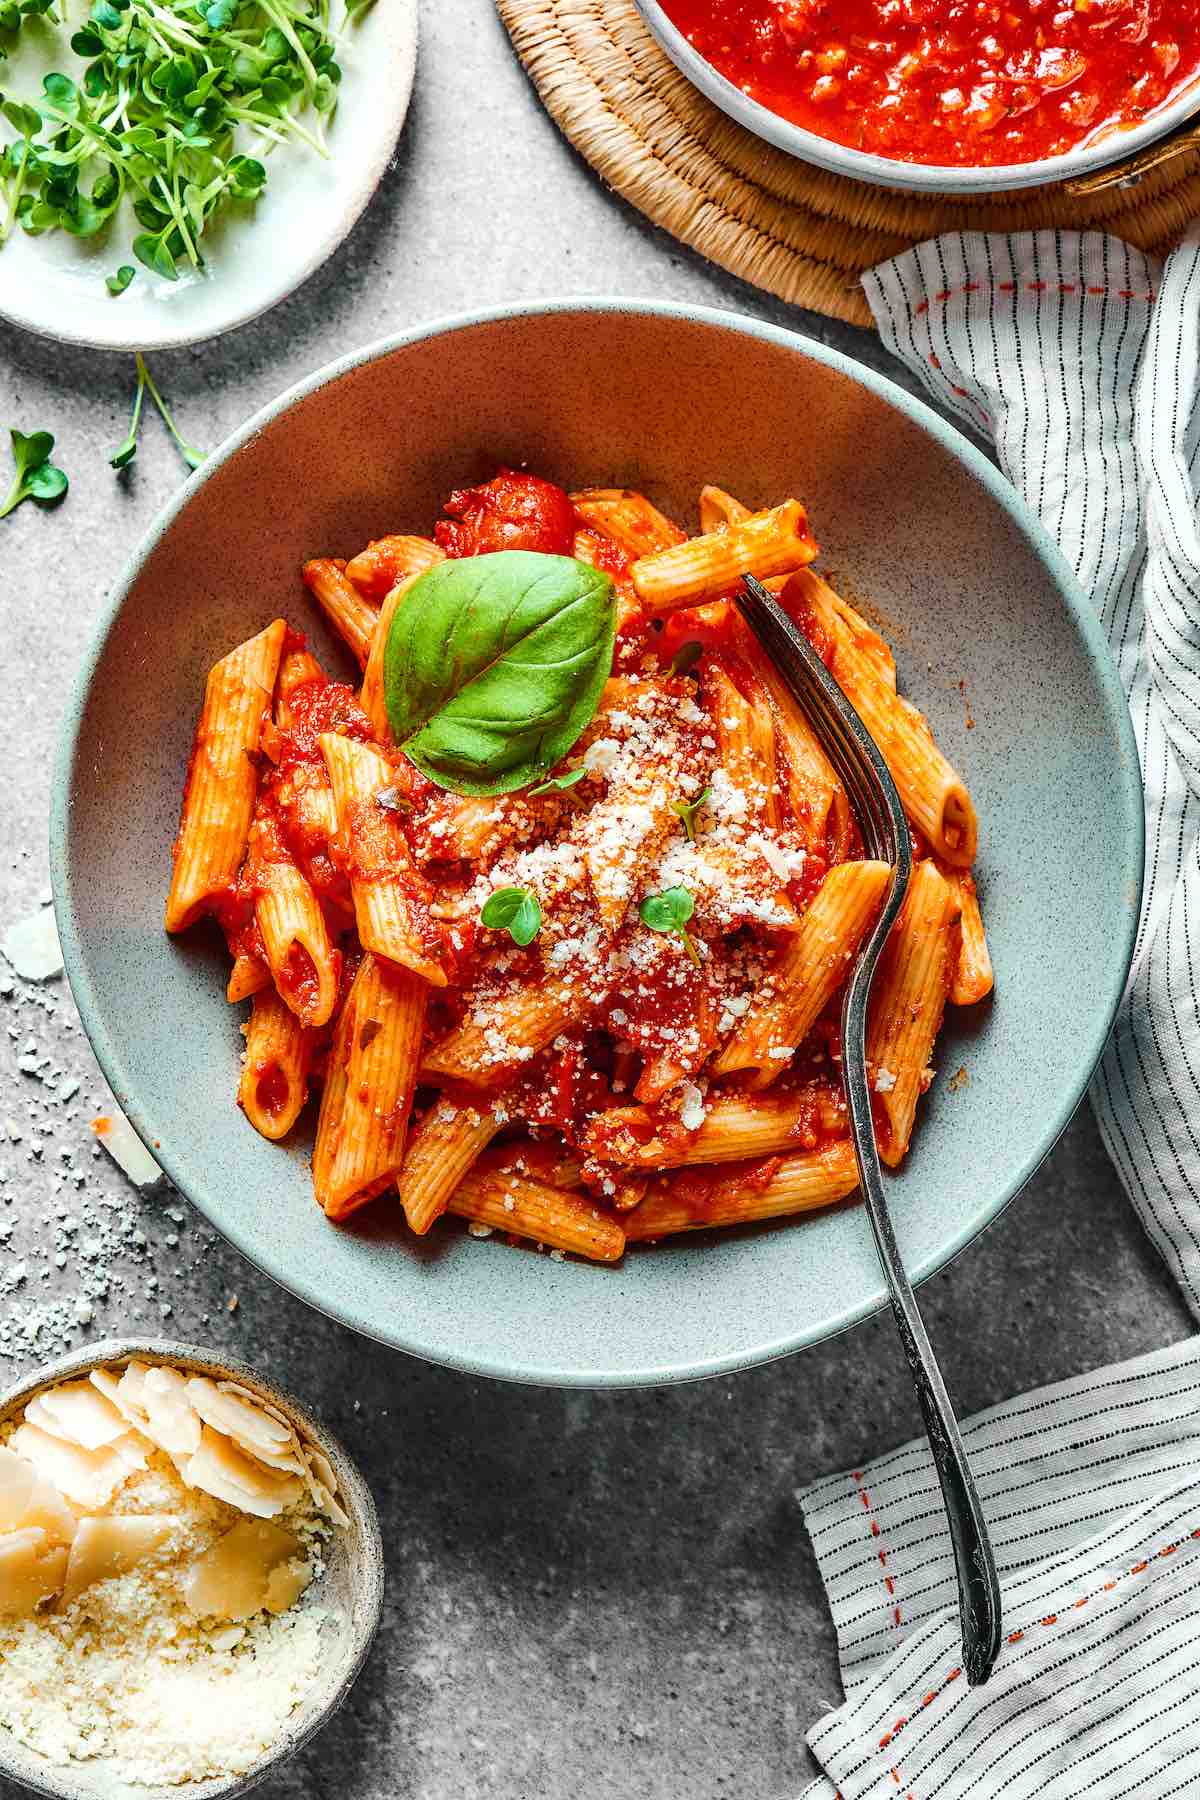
<point>670,911</point>
<point>686,657</point>
<point>556,784</point>
<point>687,810</point>
<point>36,477</point>
<point>515,910</point>
<point>119,280</point>
<point>126,450</point>
<point>154,114</point>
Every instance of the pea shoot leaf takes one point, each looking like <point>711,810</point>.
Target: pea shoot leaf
<point>36,477</point>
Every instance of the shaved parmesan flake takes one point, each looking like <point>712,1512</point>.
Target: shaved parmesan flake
<point>75,1412</point>
<point>32,946</point>
<point>127,1149</point>
<point>27,1500</point>
<point>31,1570</point>
<point>255,1565</point>
<point>222,1470</point>
<point>88,1477</point>
<point>107,1547</point>
<point>240,1418</point>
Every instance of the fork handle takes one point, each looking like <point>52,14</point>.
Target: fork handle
<point>978,1584</point>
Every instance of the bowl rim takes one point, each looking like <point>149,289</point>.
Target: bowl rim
<point>1131,797</point>
<point>359,1498</point>
<point>892,172</point>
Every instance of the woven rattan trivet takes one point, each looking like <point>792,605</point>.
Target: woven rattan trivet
<point>781,224</point>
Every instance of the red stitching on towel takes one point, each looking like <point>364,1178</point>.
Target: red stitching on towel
<point>1032,287</point>
<point>888,1581</point>
<point>1016,1637</point>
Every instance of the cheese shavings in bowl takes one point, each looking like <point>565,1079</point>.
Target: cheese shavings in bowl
<point>160,1532</point>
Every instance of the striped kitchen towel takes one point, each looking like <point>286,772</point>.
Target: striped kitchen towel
<point>1079,360</point>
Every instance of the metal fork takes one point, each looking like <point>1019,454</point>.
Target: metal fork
<point>880,815</point>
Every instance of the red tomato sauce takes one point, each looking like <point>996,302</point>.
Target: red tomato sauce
<point>966,83</point>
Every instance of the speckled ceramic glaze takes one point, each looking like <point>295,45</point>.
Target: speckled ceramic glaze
<point>988,628</point>
<point>352,1584</point>
<point>886,171</point>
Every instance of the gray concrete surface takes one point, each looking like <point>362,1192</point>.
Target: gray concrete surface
<point>590,1595</point>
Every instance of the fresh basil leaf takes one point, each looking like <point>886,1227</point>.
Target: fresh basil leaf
<point>515,910</point>
<point>557,783</point>
<point>495,664</point>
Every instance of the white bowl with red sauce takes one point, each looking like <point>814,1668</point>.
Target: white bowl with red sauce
<point>942,103</point>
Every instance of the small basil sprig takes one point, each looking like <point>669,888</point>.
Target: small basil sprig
<point>36,477</point>
<point>495,664</point>
<point>686,657</point>
<point>515,910</point>
<point>557,784</point>
<point>687,810</point>
<point>670,911</point>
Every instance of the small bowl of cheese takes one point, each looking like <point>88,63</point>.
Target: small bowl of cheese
<point>191,1574</point>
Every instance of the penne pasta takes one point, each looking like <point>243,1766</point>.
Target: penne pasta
<point>343,605</point>
<point>816,798</point>
<point>792,1184</point>
<point>303,963</point>
<point>296,669</point>
<point>248,976</point>
<point>745,732</point>
<point>505,1201</point>
<point>274,1081</point>
<point>485,1050</point>
<point>973,980</point>
<point>385,561</point>
<point>934,795</point>
<point>907,1002</point>
<point>369,1087</point>
<point>717,508</point>
<point>218,797</point>
<point>737,1126</point>
<point>371,699</point>
<point>769,543</point>
<point>390,897</point>
<point>453,1134</point>
<point>807,973</point>
<point>628,519</point>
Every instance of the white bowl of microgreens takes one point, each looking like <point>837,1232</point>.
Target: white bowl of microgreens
<point>172,168</point>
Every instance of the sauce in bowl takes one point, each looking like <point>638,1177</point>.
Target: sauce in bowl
<point>962,83</point>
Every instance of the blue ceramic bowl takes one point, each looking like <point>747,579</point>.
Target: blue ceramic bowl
<point>987,625</point>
